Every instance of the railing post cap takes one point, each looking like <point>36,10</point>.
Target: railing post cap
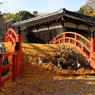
<point>0,55</point>
<point>18,27</point>
<point>17,46</point>
<point>19,30</point>
<point>17,43</point>
<point>92,34</point>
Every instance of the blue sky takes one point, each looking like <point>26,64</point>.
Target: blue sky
<point>42,6</point>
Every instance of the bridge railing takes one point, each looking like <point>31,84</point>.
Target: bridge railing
<point>13,65</point>
<point>16,57</point>
<point>72,38</point>
<point>85,46</point>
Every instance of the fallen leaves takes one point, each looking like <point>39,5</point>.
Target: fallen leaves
<point>47,78</point>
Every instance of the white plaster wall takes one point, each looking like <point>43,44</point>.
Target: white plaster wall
<point>82,27</point>
<point>42,28</point>
<point>45,27</point>
<point>55,25</point>
<point>34,29</point>
<point>69,24</point>
<point>92,28</point>
<point>58,25</point>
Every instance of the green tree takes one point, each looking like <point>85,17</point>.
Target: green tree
<point>87,9</point>
<point>35,13</point>
<point>23,15</point>
<point>8,16</point>
<point>81,10</point>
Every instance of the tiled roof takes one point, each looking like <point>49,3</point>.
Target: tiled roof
<point>58,14</point>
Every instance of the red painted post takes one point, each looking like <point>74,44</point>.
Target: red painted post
<point>83,48</point>
<point>76,38</point>
<point>18,50</point>
<point>70,40</point>
<point>17,60</point>
<point>64,36</point>
<point>92,49</point>
<point>55,39</point>
<point>14,68</point>
<point>0,73</point>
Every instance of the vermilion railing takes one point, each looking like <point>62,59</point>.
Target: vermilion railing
<point>85,46</point>
<point>11,37</point>
<point>13,65</point>
<point>15,40</point>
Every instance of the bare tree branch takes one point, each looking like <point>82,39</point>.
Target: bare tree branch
<point>91,3</point>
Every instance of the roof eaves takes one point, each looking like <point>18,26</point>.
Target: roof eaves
<point>37,18</point>
<point>78,16</point>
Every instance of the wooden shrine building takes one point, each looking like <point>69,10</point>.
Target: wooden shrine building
<point>44,28</point>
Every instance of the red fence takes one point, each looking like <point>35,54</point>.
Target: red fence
<point>13,65</point>
<point>15,40</point>
<point>86,47</point>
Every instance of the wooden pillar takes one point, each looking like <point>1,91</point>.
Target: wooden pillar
<point>77,27</point>
<point>18,50</point>
<point>92,49</point>
<point>14,68</point>
<point>0,72</point>
<point>76,38</point>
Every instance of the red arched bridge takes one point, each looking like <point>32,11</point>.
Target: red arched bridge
<point>15,40</point>
<point>85,46</point>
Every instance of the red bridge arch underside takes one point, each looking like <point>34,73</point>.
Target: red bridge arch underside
<point>11,37</point>
<point>75,40</point>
